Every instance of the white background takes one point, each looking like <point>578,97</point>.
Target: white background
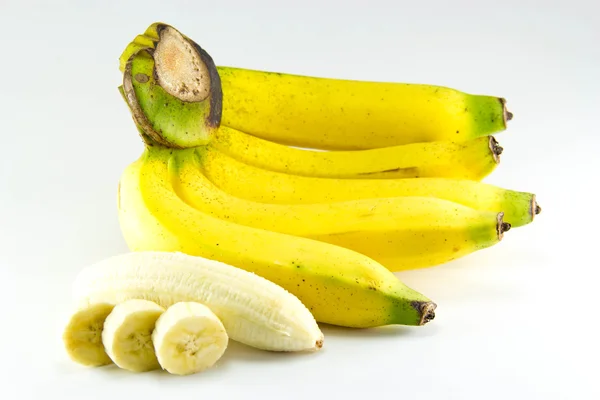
<point>517,320</point>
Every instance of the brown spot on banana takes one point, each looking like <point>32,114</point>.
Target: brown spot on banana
<point>141,78</point>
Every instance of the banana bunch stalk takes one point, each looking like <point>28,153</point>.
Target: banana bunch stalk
<point>322,186</point>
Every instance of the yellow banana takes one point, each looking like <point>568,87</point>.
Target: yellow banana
<point>473,159</point>
<point>264,186</point>
<point>339,286</point>
<point>341,114</point>
<point>400,233</point>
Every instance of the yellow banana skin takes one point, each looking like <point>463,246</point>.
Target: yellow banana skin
<point>265,186</point>
<point>338,114</point>
<point>400,233</point>
<point>473,159</point>
<point>339,286</point>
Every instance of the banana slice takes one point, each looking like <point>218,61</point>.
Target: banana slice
<point>189,338</point>
<point>127,335</point>
<point>82,336</point>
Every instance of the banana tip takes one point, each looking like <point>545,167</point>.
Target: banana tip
<point>495,148</point>
<point>427,310</point>
<point>507,115</point>
<point>502,226</point>
<point>535,207</point>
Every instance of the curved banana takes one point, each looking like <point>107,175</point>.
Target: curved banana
<point>265,186</point>
<point>400,232</point>
<point>127,335</point>
<point>189,338</point>
<point>339,286</point>
<point>342,114</point>
<point>473,159</point>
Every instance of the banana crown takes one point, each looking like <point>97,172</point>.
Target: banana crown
<point>172,88</point>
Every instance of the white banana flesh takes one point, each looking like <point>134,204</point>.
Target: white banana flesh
<point>127,335</point>
<point>189,338</point>
<point>254,310</point>
<point>82,336</point>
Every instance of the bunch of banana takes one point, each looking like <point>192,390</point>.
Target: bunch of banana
<point>324,113</point>
<point>322,186</point>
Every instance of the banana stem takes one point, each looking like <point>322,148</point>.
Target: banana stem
<point>427,310</point>
<point>496,149</point>
<point>535,207</point>
<point>501,226</point>
<point>507,115</point>
<point>173,91</point>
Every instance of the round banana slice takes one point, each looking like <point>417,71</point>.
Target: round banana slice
<point>127,335</point>
<point>189,338</point>
<point>82,336</point>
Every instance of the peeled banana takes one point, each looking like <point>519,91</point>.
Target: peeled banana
<point>82,336</point>
<point>339,286</point>
<point>265,186</point>
<point>472,159</point>
<point>253,310</point>
<point>189,338</point>
<point>127,335</point>
<point>400,232</point>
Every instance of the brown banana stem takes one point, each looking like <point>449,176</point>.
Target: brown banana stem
<point>427,311</point>
<point>495,148</point>
<point>501,226</point>
<point>535,208</point>
<point>507,115</point>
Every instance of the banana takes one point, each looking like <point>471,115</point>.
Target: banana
<point>339,286</point>
<point>472,159</point>
<point>338,114</point>
<point>127,335</point>
<point>253,310</point>
<point>189,338</point>
<point>265,186</point>
<point>400,232</point>
<point>82,336</point>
